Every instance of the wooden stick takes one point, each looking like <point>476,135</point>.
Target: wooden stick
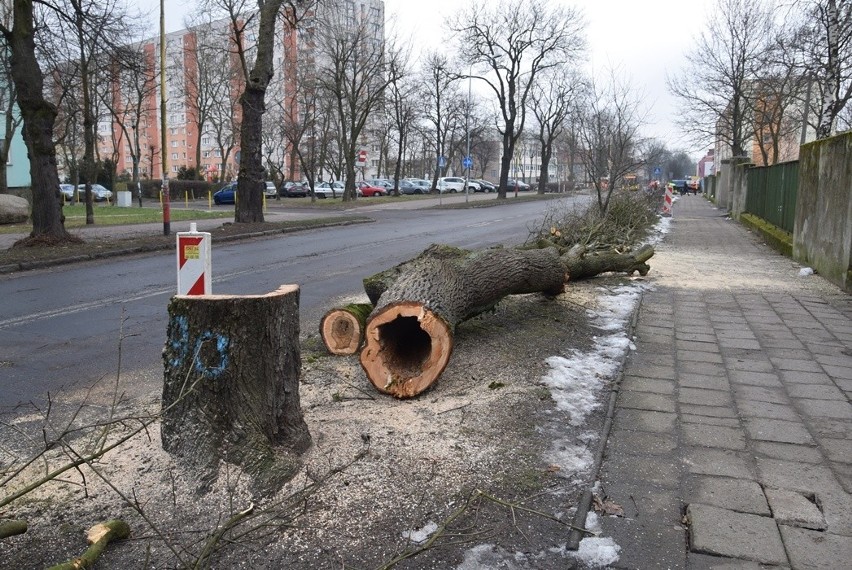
<point>99,536</point>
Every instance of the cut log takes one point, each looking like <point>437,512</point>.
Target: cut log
<point>342,328</point>
<point>12,527</point>
<point>231,384</point>
<point>409,335</point>
<point>583,266</point>
<point>418,303</point>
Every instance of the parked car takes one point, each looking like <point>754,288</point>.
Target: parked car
<point>270,190</point>
<point>226,195</point>
<point>511,184</point>
<point>99,193</point>
<point>383,182</point>
<point>329,190</point>
<point>420,186</point>
<point>450,184</point>
<point>67,191</point>
<point>408,187</point>
<point>292,189</point>
<point>366,189</point>
<point>486,186</point>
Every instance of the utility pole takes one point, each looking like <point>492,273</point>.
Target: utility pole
<point>163,154</point>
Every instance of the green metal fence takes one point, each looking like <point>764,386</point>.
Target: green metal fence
<point>772,193</point>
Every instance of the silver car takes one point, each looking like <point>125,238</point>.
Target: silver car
<point>99,193</point>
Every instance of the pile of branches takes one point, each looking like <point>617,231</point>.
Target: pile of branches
<point>627,222</point>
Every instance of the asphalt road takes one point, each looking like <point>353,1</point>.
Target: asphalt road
<point>61,328</point>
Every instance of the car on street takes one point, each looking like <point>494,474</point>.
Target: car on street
<point>290,189</point>
<point>421,186</point>
<point>99,193</point>
<point>408,187</point>
<point>450,185</point>
<point>329,190</point>
<point>522,186</point>
<point>383,182</point>
<point>67,191</point>
<point>366,189</point>
<point>226,195</point>
<point>270,191</point>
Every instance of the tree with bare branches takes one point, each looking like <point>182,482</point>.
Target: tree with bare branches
<point>512,42</point>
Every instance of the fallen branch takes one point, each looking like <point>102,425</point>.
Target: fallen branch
<point>99,536</point>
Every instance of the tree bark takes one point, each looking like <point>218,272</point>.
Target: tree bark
<point>231,384</point>
<point>342,328</point>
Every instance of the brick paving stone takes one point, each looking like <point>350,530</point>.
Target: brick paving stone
<point>719,462</point>
<point>804,477</point>
<point>697,561</point>
<point>706,368</point>
<point>812,550</point>
<point>831,428</point>
<point>754,378</point>
<point>841,410</point>
<point>839,450</point>
<point>781,343</point>
<point>660,422</point>
<point>815,391</point>
<point>739,535</point>
<point>687,380</point>
<point>749,364</point>
<point>845,385</point>
<point>795,509</point>
<point>711,411</point>
<point>767,429</point>
<point>702,397</point>
<point>699,356</point>
<point>788,451</point>
<point>796,377</point>
<point>772,352</point>
<point>656,386</point>
<point>645,541</point>
<point>741,495</point>
<point>758,409</point>
<point>843,372</point>
<point>761,394</point>
<point>713,436</point>
<point>697,346</point>
<point>834,360</point>
<point>695,337</point>
<point>645,401</point>
<point>709,420</point>
<point>796,364</point>
<point>640,443</point>
<point>652,371</point>
<point>652,470</point>
<point>744,333</point>
<point>739,343</point>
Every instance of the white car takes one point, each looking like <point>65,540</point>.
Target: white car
<point>271,191</point>
<point>451,184</point>
<point>99,193</point>
<point>329,190</point>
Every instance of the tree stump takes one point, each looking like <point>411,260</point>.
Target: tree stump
<point>342,328</point>
<point>409,335</point>
<point>231,384</point>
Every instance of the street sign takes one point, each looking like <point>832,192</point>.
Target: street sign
<point>657,171</point>
<point>362,157</point>
<point>442,162</point>
<point>467,162</point>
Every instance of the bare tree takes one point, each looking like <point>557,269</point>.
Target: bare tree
<point>439,89</point>
<point>354,68</point>
<point>513,41</point>
<point>403,113</point>
<point>551,101</point>
<point>825,44</point>
<point>609,135</point>
<point>716,98</point>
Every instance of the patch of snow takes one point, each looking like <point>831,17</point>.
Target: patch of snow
<point>661,228</point>
<point>571,459</point>
<point>805,271</point>
<point>598,552</point>
<point>489,556</point>
<point>593,522</point>
<point>420,535</point>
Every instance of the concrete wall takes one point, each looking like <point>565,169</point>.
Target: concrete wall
<point>739,188</point>
<point>723,185</point>
<point>822,238</point>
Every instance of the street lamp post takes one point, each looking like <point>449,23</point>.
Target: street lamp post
<point>468,161</point>
<point>163,154</point>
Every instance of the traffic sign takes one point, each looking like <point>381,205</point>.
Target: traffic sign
<point>442,162</point>
<point>657,171</point>
<point>362,156</point>
<point>467,162</point>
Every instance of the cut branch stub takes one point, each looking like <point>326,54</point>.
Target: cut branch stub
<point>409,336</point>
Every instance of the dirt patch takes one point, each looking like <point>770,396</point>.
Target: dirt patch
<point>382,473</point>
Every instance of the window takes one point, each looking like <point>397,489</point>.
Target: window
<point>174,144</point>
<point>175,168</point>
<point>206,154</point>
<point>174,156</point>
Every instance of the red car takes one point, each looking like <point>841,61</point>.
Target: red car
<point>367,190</point>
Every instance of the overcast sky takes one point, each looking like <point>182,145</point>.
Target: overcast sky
<point>647,39</point>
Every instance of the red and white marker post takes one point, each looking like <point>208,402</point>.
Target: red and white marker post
<point>193,262</point>
<point>667,201</point>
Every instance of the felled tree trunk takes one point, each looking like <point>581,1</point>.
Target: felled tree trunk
<point>582,266</point>
<point>409,335</point>
<point>231,385</point>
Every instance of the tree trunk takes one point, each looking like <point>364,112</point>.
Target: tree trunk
<point>231,384</point>
<point>342,328</point>
<point>39,116</point>
<point>418,303</point>
<point>409,335</point>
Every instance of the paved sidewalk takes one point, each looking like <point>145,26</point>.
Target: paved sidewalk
<point>732,437</point>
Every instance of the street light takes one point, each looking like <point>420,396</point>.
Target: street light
<point>468,161</point>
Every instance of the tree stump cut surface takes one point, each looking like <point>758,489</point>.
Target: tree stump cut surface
<point>231,382</point>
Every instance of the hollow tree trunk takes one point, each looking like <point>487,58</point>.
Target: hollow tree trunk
<point>231,384</point>
<point>342,328</point>
<point>409,335</point>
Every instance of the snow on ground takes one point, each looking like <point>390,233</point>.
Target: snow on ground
<point>420,535</point>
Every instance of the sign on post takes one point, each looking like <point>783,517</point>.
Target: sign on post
<point>362,157</point>
<point>442,162</point>
<point>193,262</point>
<point>467,163</point>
